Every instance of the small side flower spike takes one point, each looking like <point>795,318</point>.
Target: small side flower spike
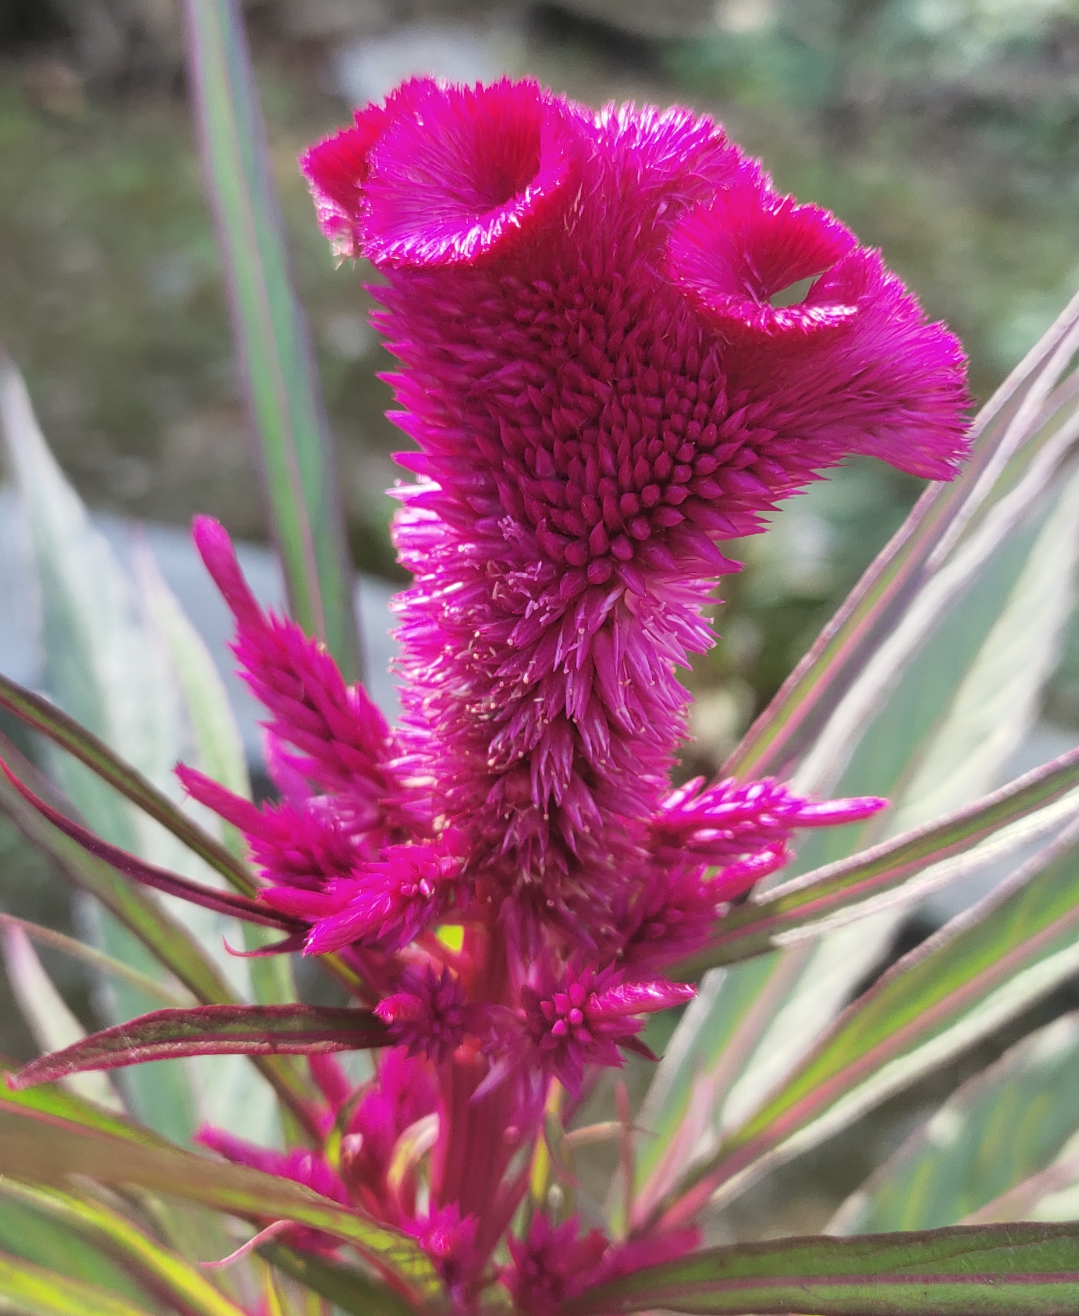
<point>583,1018</point>
<point>387,904</point>
<point>429,1015</point>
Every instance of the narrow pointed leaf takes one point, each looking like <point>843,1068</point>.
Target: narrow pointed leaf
<point>768,920</point>
<point>105,666</point>
<point>223,902</point>
<point>928,610</point>
<point>46,1013</point>
<point>96,959</point>
<point>982,968</point>
<point>64,731</point>
<point>48,1149</point>
<point>772,1009</point>
<point>212,1030</point>
<point>27,1290</point>
<point>220,752</point>
<point>1002,1270</point>
<point>217,735</point>
<point>170,943</point>
<point>347,1288</point>
<point>1001,1127</point>
<point>961,707</point>
<point>33,1237</point>
<point>814,690</point>
<point>294,446</point>
<point>160,1268</point>
<point>50,1102</point>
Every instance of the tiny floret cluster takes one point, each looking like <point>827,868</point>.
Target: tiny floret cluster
<point>601,385</point>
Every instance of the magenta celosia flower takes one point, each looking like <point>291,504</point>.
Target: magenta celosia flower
<point>600,391</point>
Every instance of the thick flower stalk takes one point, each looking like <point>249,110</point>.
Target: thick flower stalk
<point>600,390</point>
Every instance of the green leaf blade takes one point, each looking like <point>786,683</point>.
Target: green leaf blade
<point>999,1129</point>
<point>69,735</point>
<point>1004,1270</point>
<point>762,923</point>
<point>28,1290</point>
<point>294,446</point>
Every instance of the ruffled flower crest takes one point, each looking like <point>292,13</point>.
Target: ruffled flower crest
<point>442,176</point>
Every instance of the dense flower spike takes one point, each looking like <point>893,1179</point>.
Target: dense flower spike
<point>602,386</point>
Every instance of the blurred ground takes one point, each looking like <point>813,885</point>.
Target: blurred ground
<point>941,130</point>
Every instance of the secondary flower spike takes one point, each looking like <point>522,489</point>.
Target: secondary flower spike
<point>601,391</point>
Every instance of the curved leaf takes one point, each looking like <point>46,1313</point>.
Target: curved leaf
<point>171,944</point>
<point>64,731</point>
<point>294,448</point>
<point>772,1009</point>
<point>27,1290</point>
<point>997,1270</point>
<point>187,1287</point>
<point>160,879</point>
<point>1001,1127</point>
<point>768,920</point>
<point>106,665</point>
<point>220,751</point>
<point>211,1030</point>
<point>46,1148</point>
<point>46,1013</point>
<point>34,1237</point>
<point>347,1288</point>
<point>96,959</point>
<point>1019,413</point>
<point>982,968</point>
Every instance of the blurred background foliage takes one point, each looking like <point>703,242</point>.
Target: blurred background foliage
<point>943,131</point>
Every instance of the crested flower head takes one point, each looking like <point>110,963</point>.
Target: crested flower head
<point>600,391</point>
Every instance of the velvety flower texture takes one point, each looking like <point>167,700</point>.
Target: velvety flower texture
<point>601,390</point>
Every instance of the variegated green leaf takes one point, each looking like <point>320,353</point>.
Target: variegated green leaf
<point>999,1129</point>
<point>294,446</point>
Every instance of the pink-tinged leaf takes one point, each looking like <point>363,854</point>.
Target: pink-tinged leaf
<point>171,944</point>
<point>64,731</point>
<point>158,1268</point>
<point>40,1145</point>
<point>1025,412</point>
<point>346,1287</point>
<point>1001,1270</point>
<point>772,919</point>
<point>96,959</point>
<point>211,1030</point>
<point>222,902</point>
<point>986,966</point>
